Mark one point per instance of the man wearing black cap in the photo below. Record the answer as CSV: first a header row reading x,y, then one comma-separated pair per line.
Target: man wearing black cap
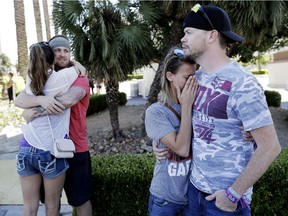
x,y
78,182
230,102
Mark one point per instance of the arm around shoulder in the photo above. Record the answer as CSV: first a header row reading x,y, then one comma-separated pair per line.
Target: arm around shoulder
x,y
49,103
72,96
26,101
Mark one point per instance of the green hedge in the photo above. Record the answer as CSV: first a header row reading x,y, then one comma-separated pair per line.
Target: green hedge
x,y
121,186
13,119
98,103
134,76
271,191
273,98
259,72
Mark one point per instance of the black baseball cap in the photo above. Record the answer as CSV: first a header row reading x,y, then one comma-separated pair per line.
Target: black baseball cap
x,y
209,17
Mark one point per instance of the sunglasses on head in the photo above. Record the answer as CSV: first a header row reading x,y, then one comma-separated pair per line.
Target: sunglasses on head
x,y
39,44
197,8
178,52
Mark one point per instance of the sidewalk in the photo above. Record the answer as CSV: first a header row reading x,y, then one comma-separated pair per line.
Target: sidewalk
x,y
10,190
16,210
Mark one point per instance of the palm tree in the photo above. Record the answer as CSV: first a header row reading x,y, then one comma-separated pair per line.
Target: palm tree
x,y
262,23
172,14
38,20
111,41
47,19
21,37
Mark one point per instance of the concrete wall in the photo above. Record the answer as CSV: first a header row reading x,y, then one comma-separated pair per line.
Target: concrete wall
x,y
139,87
148,75
277,78
278,74
130,88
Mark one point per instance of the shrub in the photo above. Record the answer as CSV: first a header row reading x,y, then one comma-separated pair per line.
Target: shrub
x,y
271,191
273,98
98,103
259,72
19,84
11,117
134,76
122,98
121,184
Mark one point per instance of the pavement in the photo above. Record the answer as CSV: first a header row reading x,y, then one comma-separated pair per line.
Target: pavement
x,y
11,201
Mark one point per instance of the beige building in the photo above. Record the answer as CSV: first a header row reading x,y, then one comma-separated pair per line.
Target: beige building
x,y
278,69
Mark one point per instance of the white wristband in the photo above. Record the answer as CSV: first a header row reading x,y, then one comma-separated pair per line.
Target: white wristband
x,y
234,193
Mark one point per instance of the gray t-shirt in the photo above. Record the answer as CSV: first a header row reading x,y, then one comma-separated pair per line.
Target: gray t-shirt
x,y
171,176
228,102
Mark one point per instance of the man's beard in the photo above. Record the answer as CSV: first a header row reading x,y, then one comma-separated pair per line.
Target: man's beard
x,y
196,54
58,67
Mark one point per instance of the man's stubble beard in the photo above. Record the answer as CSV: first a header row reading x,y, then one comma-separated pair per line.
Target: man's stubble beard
x,y
61,65
197,53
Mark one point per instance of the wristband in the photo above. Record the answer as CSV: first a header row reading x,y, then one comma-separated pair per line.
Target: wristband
x,y
232,195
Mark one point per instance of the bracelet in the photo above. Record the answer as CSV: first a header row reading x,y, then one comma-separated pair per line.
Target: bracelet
x,y
232,195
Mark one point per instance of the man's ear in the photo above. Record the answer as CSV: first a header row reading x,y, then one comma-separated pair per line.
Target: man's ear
x,y
213,35
169,76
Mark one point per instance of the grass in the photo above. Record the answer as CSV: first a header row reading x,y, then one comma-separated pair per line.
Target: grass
x,y
10,116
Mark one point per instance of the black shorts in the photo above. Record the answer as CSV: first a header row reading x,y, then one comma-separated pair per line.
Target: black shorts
x,y
10,93
78,182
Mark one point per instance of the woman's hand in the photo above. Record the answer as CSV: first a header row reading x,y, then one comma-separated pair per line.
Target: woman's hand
x,y
187,96
79,68
51,105
30,114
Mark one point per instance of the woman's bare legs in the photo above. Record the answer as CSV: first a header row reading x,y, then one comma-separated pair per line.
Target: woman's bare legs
x,y
31,193
53,189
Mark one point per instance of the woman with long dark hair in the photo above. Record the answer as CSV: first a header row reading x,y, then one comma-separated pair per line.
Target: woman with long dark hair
x,y
36,161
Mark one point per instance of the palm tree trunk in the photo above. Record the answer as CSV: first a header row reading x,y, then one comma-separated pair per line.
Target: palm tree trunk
x,y
175,37
21,37
47,19
112,97
38,20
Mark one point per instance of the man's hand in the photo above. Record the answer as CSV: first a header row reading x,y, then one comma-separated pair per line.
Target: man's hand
x,y
222,202
51,105
160,153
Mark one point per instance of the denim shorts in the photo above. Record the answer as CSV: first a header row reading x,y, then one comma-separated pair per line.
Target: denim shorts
x,y
200,206
159,207
31,161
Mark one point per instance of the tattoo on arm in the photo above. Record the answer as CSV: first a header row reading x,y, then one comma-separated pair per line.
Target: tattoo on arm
x,y
39,109
73,96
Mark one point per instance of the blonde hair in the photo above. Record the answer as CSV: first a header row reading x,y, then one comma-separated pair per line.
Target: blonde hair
x,y
172,62
40,62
